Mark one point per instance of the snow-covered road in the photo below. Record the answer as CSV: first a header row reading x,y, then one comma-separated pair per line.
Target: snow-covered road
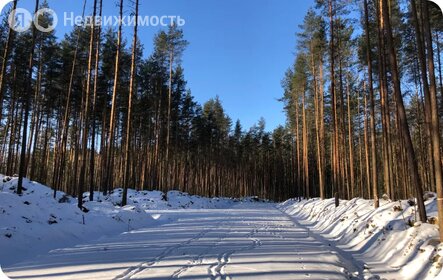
x,y
254,241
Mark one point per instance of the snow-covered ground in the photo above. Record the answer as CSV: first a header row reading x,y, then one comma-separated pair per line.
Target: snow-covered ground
x,y
387,241
248,242
35,222
175,235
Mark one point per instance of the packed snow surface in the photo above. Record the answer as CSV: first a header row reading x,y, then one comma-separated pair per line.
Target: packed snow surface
x,y
387,242
179,236
35,222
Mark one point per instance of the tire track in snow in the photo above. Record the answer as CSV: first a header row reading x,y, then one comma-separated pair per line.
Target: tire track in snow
x,y
199,259
132,271
217,270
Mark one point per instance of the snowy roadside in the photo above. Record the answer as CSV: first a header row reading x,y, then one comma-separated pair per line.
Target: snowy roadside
x,y
36,223
247,241
387,241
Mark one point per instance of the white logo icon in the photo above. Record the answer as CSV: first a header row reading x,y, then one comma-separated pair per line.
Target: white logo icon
x,y
20,20
50,13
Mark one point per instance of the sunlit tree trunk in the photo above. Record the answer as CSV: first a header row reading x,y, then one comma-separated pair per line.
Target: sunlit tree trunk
x,y
403,122
28,93
85,135
110,152
94,110
129,118
374,178
335,132
435,124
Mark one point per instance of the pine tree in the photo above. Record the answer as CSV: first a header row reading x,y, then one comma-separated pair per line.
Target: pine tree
x,y
132,88
26,101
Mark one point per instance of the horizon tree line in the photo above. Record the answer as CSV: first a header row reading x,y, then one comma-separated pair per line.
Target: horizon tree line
x,y
90,113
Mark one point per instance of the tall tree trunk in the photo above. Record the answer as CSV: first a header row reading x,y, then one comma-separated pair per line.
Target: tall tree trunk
x,y
367,161
350,140
305,149
168,122
28,93
129,118
94,109
322,130
85,134
317,106
440,74
110,153
435,125
374,178
383,97
335,141
403,122
34,129
297,136
424,81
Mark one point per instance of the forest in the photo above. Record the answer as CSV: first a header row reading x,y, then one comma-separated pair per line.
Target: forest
x,y
363,99
89,112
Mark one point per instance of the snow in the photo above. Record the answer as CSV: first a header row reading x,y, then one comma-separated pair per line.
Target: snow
x,y
176,235
387,241
248,241
35,222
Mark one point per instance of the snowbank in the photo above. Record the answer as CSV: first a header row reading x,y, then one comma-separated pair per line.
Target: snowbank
x,y
387,240
156,200
35,222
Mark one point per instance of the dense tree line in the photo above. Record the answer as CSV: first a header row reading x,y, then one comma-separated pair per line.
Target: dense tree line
x,y
90,112
364,100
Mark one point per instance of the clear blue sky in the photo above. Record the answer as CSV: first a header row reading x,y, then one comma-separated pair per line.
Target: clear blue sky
x,y
239,49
